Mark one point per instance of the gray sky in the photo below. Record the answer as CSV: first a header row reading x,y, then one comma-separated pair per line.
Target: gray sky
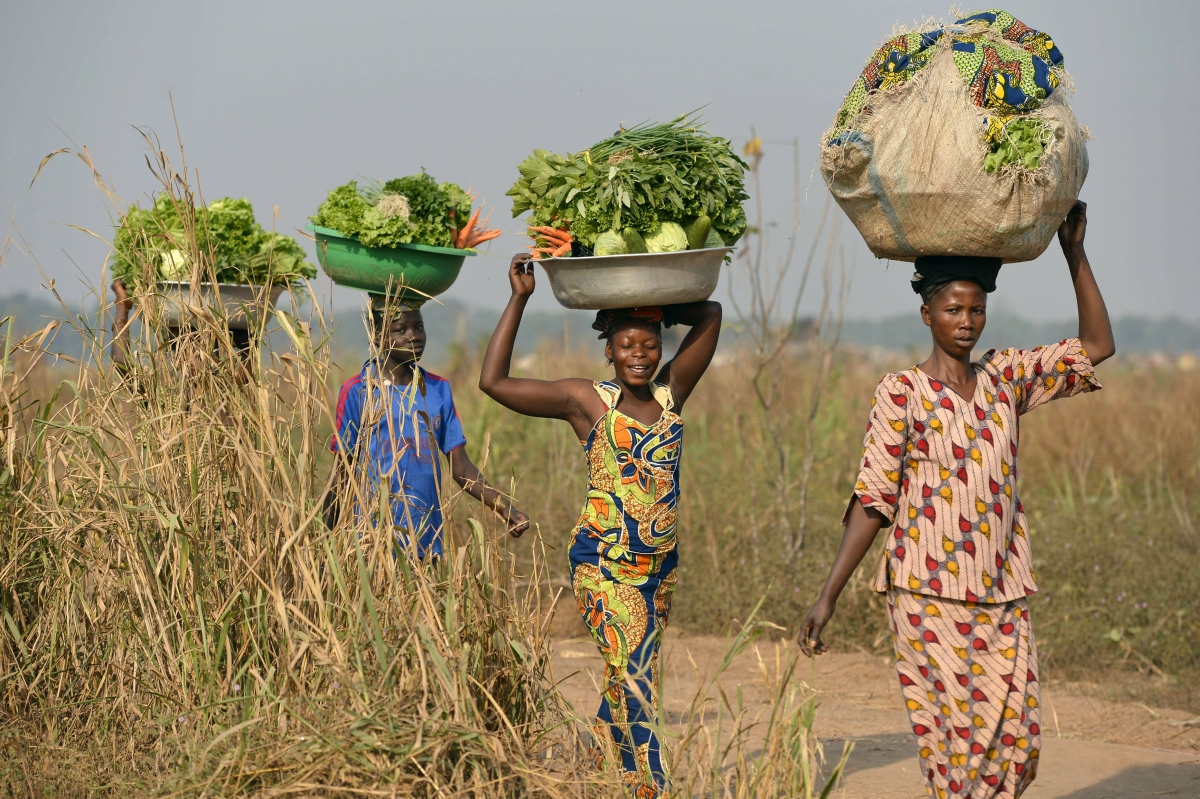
x,y
281,102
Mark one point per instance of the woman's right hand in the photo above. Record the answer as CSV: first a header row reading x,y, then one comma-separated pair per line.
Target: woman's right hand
x,y
520,275
810,629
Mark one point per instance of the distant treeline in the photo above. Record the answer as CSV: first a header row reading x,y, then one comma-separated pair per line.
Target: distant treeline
x,y
455,322
447,323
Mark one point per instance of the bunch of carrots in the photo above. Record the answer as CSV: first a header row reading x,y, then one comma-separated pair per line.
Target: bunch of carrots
x,y
469,236
550,241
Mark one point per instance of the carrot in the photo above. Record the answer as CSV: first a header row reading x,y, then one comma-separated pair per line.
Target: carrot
x,y
552,235
553,252
472,233
479,238
551,232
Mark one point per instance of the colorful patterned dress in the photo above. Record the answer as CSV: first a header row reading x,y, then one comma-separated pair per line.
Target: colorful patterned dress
x,y
957,568
623,563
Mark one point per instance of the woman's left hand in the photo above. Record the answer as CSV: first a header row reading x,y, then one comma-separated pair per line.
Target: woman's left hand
x,y
1071,231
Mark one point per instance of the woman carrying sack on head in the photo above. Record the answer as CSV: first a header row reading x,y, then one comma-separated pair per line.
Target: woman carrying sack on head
x,y
623,557
939,470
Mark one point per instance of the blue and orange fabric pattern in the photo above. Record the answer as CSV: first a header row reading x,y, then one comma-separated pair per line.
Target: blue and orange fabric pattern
x,y
1006,65
623,573
633,483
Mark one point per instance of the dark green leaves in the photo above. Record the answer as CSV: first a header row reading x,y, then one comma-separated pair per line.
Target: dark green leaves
x,y
639,178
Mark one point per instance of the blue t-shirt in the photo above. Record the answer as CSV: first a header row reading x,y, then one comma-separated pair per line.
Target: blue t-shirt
x,y
402,424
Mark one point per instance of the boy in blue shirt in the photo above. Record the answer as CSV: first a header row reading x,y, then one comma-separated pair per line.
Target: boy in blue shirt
x,y
389,420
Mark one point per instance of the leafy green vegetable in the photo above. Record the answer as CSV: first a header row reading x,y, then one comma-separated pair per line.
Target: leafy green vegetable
x,y
634,241
342,210
1022,142
713,240
414,209
668,238
639,179
610,242
240,249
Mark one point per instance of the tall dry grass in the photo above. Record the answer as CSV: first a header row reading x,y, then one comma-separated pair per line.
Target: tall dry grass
x,y
177,619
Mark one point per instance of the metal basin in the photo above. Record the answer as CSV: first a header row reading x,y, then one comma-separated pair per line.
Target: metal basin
x,y
629,281
243,305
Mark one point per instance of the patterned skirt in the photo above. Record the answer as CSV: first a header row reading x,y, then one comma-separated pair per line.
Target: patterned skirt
x,y
625,603
968,672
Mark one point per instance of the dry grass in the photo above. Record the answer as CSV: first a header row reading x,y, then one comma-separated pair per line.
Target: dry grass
x,y
177,619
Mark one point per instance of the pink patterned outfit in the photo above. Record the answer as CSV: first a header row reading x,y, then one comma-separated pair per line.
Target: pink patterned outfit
x,y
957,568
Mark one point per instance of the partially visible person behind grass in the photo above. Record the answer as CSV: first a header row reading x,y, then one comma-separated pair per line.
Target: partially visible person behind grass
x,y
390,420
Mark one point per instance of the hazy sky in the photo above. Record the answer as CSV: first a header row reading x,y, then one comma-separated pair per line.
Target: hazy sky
x,y
280,102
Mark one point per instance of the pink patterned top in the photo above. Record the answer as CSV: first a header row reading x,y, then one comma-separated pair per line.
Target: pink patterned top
x,y
943,470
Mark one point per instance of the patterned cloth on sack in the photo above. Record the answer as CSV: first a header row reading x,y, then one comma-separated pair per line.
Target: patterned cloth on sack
x,y
969,677
943,470
1005,64
623,562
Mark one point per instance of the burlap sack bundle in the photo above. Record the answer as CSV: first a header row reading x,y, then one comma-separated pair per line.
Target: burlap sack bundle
x,y
910,173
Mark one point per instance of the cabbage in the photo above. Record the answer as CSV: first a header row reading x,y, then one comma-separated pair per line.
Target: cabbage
x,y
668,238
610,242
713,240
174,266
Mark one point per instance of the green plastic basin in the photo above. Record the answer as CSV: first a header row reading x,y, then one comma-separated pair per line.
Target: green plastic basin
x,y
429,270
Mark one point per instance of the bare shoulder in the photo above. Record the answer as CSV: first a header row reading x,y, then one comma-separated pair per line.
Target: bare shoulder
x,y
583,395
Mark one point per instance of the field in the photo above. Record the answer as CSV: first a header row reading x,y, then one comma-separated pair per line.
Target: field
x,y
176,618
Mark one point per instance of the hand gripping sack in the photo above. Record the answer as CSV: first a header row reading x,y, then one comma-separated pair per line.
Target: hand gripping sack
x,y
909,155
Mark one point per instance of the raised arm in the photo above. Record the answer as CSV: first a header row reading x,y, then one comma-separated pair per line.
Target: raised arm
x,y
1095,330
684,371
554,399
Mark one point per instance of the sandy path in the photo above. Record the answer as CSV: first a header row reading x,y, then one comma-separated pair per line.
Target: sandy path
x,y
1091,747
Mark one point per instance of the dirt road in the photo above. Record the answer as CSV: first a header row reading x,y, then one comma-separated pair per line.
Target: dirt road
x,y
1091,748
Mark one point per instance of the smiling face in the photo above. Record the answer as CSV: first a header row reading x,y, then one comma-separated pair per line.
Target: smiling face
x,y
404,340
956,316
635,349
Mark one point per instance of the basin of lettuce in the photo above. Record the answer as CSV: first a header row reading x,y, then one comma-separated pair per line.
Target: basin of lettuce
x,y
410,210
242,250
